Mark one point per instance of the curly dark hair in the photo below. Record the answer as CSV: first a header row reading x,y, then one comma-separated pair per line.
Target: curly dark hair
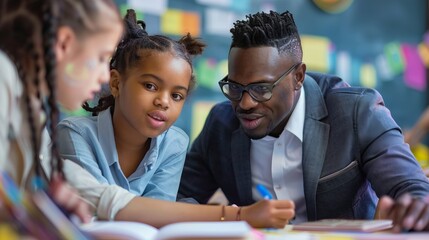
x,y
136,38
268,29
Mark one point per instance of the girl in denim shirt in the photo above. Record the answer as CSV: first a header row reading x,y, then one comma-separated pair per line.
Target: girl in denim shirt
x,y
130,140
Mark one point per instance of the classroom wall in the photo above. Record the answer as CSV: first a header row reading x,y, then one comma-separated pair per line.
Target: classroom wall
x,y
370,43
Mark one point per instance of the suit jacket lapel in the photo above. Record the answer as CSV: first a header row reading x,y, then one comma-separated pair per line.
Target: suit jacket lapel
x,y
240,156
316,137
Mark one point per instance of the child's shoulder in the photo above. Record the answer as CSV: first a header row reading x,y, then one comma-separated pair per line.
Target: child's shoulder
x,y
176,134
78,122
9,79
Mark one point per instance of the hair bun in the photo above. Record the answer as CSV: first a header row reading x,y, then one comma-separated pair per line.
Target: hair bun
x,y
134,28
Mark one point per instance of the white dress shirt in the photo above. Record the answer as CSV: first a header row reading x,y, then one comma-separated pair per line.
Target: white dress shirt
x,y
276,163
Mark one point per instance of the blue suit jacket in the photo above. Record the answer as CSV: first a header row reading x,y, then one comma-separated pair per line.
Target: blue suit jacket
x,y
351,148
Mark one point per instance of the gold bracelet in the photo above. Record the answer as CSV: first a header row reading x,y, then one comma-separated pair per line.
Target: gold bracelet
x,y
238,217
222,218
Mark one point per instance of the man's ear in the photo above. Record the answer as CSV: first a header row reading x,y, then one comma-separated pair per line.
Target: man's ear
x,y
115,79
64,43
300,75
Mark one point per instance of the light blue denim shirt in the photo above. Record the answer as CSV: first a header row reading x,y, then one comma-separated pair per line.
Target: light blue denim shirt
x,y
90,142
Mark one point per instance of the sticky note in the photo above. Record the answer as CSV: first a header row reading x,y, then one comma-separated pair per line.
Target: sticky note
x,y
316,52
415,72
191,23
200,111
171,22
394,57
368,76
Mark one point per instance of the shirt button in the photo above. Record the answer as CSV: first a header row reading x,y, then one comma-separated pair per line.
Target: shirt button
x,y
278,187
279,144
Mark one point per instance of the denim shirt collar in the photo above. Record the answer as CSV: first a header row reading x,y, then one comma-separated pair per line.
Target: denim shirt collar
x,y
107,141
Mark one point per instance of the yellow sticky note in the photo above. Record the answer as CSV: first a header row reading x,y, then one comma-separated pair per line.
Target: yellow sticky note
x,y
171,22
421,152
424,53
316,52
200,110
368,76
191,23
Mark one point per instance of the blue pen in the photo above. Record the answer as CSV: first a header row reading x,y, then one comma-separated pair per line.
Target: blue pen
x,y
264,192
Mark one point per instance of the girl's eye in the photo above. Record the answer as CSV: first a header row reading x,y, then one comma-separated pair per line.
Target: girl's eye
x,y
150,86
177,97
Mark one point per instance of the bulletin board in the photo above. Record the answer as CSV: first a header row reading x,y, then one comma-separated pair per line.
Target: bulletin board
x,y
370,43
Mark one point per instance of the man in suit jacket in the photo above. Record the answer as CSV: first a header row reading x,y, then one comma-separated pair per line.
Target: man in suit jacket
x,y
311,138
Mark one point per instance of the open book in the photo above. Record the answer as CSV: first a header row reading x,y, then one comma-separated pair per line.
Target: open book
x,y
344,225
183,230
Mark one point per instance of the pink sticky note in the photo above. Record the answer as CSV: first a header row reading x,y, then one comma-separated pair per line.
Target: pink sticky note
x,y
415,73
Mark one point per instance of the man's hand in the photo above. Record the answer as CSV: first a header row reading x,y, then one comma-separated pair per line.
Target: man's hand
x,y
407,212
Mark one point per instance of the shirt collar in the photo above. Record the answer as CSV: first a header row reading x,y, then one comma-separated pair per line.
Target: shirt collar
x,y
106,137
295,125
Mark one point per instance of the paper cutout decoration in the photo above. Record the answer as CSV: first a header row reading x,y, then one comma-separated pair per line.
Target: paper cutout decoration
x,y
200,111
424,53
220,3
394,57
171,22
222,69
368,76
384,72
316,52
415,72
219,22
123,11
343,69
191,23
333,6
206,73
178,22
421,152
157,7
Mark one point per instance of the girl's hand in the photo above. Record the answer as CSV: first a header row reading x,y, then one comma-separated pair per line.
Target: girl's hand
x,y
269,213
68,198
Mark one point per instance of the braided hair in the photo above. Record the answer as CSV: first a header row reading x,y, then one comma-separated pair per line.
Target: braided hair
x,y
268,29
128,55
28,31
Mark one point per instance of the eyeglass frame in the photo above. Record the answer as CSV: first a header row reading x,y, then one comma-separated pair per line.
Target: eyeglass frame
x,y
246,88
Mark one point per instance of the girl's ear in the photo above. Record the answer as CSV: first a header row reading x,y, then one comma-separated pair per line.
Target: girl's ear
x,y
115,78
64,44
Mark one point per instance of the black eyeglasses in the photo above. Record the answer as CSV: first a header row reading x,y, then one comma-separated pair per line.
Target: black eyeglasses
x,y
260,92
